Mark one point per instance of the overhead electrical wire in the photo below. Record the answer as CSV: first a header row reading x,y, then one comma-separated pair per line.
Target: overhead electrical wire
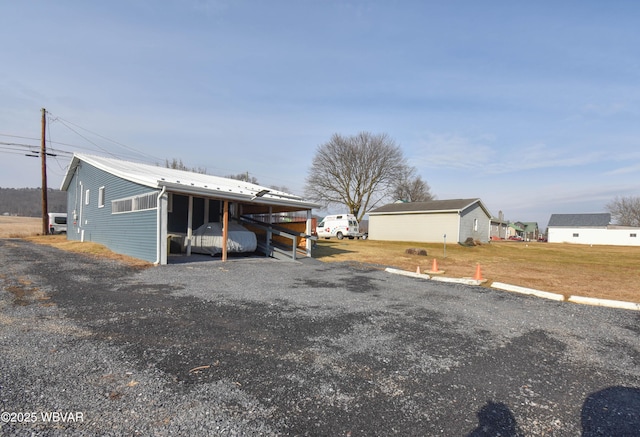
x,y
66,123
34,149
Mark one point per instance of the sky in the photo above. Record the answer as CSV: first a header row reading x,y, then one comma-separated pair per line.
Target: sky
x,y
533,107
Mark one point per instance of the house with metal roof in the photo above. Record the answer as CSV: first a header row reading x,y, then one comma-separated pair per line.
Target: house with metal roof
x,y
434,221
136,209
590,229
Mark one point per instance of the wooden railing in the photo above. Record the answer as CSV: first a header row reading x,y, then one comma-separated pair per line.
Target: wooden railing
x,y
280,249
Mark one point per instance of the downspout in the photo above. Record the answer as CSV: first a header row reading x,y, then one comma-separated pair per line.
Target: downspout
x,y
158,229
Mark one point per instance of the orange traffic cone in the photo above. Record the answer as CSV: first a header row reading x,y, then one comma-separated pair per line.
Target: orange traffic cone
x,y
418,270
478,275
434,268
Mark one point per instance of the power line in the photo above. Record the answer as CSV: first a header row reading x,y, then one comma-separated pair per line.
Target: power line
x,y
19,136
83,137
31,148
66,123
48,141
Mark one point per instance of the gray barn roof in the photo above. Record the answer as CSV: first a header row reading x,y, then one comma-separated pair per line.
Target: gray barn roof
x,y
432,206
580,220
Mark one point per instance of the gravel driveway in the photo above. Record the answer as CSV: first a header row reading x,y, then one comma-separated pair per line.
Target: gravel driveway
x,y
260,347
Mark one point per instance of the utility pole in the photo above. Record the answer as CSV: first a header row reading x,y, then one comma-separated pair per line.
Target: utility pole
x,y
43,160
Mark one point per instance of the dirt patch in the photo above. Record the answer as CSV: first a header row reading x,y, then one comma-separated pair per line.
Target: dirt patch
x,y
24,294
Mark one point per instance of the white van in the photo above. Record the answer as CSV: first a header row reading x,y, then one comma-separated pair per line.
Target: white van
x,y
338,226
57,222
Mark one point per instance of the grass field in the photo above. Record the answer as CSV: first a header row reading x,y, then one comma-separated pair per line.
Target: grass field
x,y
608,272
18,227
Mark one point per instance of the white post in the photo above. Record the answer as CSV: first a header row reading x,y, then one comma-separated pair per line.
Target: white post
x,y
189,225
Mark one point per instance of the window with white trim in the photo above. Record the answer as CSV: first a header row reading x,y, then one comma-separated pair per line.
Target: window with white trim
x,y
140,202
86,197
475,225
101,197
633,235
576,235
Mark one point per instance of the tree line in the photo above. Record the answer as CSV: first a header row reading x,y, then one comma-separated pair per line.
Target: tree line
x,y
27,202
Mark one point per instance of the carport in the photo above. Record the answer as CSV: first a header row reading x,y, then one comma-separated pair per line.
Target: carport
x,y
147,211
282,225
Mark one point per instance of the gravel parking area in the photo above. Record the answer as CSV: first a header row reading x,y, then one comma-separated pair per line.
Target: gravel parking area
x,y
260,347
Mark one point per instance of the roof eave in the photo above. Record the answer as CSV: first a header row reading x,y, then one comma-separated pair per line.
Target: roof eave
x,y
66,181
245,198
423,211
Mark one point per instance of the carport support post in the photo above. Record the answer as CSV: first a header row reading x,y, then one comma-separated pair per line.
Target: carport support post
x,y
308,241
225,229
269,233
189,225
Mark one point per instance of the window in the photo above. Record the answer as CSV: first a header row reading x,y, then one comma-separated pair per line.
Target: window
x,y
576,235
86,197
475,225
101,197
632,235
135,203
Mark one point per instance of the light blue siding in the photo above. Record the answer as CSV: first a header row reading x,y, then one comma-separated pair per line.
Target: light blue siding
x,y
468,226
130,233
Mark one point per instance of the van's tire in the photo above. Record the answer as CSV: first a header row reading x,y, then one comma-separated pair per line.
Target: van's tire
x,y
365,236
339,235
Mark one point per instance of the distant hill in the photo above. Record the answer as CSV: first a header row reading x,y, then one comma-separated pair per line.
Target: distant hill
x,y
27,202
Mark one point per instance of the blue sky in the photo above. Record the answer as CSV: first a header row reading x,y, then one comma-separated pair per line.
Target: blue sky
x,y
531,106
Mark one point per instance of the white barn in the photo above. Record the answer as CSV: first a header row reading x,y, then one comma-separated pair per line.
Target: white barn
x,y
590,229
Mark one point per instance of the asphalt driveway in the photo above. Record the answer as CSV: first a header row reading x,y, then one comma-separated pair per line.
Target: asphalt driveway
x,y
260,347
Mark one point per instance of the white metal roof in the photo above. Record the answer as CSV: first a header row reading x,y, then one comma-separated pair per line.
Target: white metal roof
x,y
186,182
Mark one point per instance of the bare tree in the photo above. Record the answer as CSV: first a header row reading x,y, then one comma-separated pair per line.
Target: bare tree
x,y
243,177
282,188
356,171
625,210
412,188
177,164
